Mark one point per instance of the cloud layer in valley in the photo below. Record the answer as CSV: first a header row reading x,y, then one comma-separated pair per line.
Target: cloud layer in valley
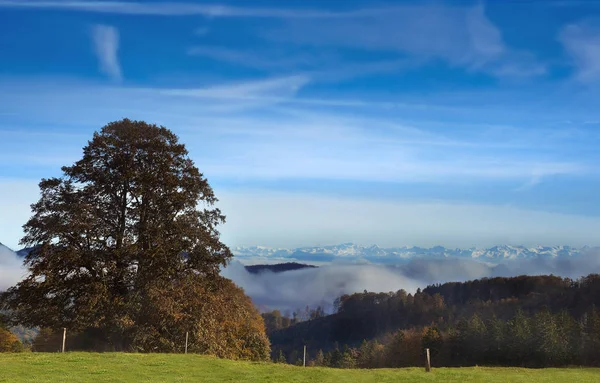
x,y
293,290
11,268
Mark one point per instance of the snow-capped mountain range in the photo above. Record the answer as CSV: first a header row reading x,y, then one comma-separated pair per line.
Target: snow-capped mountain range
x,y
376,254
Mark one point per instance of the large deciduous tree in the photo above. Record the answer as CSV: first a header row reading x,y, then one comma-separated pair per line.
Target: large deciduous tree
x,y
134,213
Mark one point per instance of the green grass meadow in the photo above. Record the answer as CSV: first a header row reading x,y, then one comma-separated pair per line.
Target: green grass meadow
x,y
126,368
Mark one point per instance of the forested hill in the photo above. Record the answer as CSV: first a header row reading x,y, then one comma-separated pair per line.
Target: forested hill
x,y
551,310
277,268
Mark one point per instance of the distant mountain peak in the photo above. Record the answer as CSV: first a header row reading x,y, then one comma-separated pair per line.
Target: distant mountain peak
x,y
374,253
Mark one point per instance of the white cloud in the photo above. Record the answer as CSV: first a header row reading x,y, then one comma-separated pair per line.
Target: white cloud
x,y
485,39
462,36
98,104
11,268
297,289
322,67
106,47
263,129
582,42
269,89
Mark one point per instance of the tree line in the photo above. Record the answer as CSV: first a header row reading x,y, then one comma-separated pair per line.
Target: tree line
x,y
532,321
541,340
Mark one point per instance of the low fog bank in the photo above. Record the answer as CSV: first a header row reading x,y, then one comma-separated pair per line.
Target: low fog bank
x,y
11,268
296,289
320,286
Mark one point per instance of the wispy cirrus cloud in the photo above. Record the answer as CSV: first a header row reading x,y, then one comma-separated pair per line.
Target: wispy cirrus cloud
x,y
176,9
322,67
270,131
582,42
264,129
274,89
462,36
106,47
260,60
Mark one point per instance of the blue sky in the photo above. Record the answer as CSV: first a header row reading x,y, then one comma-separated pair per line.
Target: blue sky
x,y
397,123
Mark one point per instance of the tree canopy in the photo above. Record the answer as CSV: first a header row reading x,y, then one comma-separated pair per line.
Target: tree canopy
x,y
132,214
532,321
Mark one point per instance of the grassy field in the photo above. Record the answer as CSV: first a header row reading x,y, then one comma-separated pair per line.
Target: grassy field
x,y
86,367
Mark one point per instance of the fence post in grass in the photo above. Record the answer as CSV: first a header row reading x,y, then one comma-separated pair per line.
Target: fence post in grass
x,y
304,358
186,340
64,339
428,366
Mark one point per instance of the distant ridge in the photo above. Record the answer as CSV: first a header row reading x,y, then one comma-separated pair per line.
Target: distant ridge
x,y
24,252
5,247
278,268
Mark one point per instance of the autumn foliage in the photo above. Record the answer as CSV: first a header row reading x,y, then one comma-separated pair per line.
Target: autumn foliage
x,y
126,253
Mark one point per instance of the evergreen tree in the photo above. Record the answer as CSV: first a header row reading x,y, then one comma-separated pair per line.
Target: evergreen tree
x,y
591,337
365,355
319,360
432,339
348,359
335,358
476,336
549,350
520,344
569,339
395,350
458,341
281,357
496,346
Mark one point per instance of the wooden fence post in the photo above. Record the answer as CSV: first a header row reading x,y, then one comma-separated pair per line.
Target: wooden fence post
x,y
428,366
64,339
304,358
186,340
